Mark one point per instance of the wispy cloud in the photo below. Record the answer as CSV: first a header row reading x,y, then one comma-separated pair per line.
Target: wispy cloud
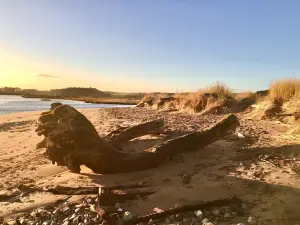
x,y
47,76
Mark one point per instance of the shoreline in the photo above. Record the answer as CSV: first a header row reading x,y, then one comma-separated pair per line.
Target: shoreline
x,y
91,100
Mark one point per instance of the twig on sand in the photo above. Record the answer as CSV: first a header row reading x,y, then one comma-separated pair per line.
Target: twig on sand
x,y
266,161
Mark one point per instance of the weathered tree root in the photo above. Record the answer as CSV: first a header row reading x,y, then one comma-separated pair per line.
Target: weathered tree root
x,y
124,135
71,140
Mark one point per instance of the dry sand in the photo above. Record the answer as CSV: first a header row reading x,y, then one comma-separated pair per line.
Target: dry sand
x,y
231,166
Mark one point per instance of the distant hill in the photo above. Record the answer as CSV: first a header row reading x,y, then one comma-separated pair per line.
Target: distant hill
x,y
78,92
64,92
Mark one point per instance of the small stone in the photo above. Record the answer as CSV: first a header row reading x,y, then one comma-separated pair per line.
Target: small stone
x,y
227,215
66,209
251,220
72,217
117,205
205,220
129,216
46,222
76,210
240,224
209,223
151,221
66,223
199,213
89,200
216,212
22,221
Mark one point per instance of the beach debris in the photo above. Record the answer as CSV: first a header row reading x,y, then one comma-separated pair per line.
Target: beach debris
x,y
187,208
72,141
88,211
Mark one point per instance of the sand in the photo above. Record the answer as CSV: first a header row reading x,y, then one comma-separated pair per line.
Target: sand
x,y
230,166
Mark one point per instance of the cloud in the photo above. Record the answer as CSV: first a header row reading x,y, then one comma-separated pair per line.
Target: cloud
x,y
47,76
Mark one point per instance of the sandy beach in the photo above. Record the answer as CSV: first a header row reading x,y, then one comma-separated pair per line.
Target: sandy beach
x,y
229,167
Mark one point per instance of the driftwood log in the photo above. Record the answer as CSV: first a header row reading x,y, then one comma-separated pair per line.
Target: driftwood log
x,y
71,140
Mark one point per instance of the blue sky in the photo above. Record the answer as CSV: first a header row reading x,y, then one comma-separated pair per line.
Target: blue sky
x,y
149,45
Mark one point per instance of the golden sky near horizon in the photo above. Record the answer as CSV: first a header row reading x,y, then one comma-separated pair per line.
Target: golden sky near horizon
x,y
19,71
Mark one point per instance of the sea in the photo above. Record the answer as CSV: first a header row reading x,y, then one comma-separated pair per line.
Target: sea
x,y
16,103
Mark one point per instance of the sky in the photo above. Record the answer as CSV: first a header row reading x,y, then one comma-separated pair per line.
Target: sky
x,y
148,45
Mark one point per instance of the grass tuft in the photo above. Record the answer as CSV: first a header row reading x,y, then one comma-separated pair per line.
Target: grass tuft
x,y
285,89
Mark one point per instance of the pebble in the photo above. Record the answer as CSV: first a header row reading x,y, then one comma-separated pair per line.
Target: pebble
x,y
216,212
251,220
227,215
76,210
129,216
199,213
151,221
205,220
